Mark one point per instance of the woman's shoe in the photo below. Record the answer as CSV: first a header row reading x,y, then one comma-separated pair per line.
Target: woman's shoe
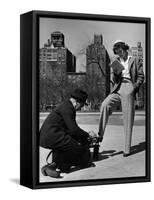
x,y
126,154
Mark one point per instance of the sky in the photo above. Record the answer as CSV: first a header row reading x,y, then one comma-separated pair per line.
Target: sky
x,y
80,33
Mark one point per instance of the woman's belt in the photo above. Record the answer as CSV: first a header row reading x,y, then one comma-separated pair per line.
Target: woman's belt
x,y
125,80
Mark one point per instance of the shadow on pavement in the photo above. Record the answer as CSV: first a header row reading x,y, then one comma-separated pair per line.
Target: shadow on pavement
x,y
134,150
138,148
106,154
77,168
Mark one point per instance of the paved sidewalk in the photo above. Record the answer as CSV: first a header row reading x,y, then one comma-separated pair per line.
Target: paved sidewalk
x,y
111,162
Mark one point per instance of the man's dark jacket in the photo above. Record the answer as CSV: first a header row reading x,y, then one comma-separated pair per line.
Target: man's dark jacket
x,y
60,126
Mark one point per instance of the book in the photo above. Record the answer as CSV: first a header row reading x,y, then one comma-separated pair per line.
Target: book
x,y
117,67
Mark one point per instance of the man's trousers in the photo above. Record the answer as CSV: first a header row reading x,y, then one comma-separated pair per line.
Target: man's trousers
x,y
72,154
125,96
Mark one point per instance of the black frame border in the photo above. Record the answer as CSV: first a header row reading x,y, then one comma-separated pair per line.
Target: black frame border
x,y
29,44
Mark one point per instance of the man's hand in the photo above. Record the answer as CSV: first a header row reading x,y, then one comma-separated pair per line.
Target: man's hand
x,y
92,134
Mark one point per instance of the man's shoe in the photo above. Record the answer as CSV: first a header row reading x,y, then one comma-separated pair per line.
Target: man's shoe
x,y
50,170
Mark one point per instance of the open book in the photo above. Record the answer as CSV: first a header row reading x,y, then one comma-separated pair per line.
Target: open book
x,y
117,67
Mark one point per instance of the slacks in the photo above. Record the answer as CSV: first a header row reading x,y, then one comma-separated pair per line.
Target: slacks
x,y
125,95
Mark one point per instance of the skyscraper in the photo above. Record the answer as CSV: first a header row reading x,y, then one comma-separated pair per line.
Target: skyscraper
x,y
98,65
55,59
138,53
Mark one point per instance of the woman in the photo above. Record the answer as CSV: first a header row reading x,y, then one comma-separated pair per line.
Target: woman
x,y
126,81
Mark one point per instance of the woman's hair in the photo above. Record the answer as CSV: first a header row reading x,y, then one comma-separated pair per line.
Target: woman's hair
x,y
119,45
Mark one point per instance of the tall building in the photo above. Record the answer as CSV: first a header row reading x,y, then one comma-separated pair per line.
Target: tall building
x,y
137,52
140,96
57,39
55,59
98,65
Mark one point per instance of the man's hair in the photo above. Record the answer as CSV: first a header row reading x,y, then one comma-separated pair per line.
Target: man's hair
x,y
119,45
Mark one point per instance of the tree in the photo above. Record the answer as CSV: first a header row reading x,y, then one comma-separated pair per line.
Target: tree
x,y
93,85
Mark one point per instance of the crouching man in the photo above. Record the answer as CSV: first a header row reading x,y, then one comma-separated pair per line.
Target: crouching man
x,y
67,140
